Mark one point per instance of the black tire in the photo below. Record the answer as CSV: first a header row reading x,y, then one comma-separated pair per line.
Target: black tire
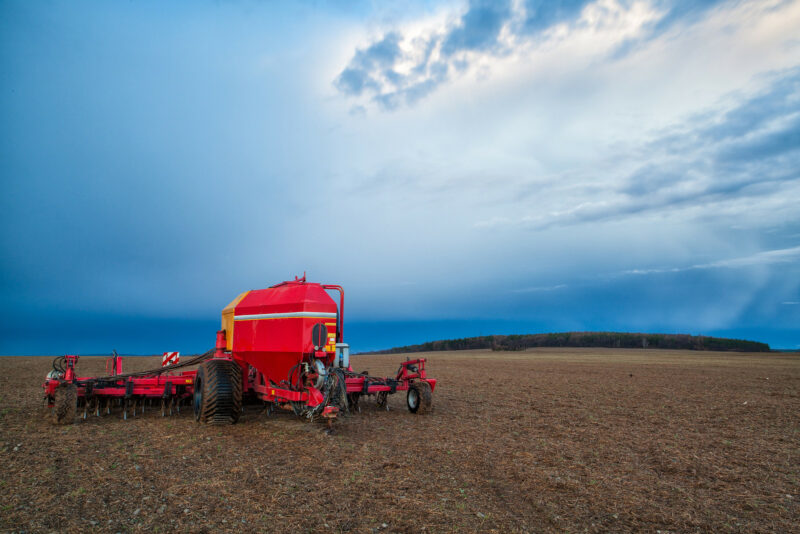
x,y
217,398
65,404
419,398
197,395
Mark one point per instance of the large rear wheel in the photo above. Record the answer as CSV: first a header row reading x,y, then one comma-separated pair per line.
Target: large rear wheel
x,y
217,398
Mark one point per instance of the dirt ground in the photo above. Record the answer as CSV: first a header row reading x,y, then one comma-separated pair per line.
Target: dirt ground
x,y
547,440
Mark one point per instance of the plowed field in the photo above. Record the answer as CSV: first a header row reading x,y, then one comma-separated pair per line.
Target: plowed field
x,y
547,440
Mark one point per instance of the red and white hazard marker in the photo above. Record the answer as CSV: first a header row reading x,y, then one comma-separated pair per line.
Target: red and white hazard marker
x,y
170,358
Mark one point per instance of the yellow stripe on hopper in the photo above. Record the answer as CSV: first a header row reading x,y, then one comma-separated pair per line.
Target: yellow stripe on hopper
x,y
227,319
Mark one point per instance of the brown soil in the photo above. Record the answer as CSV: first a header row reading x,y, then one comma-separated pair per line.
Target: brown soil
x,y
548,440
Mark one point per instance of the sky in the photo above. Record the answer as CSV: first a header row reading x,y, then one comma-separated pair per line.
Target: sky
x,y
461,168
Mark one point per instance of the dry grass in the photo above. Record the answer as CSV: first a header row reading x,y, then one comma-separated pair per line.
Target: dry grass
x,y
544,440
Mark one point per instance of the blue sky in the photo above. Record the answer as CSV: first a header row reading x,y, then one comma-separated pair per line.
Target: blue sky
x,y
461,168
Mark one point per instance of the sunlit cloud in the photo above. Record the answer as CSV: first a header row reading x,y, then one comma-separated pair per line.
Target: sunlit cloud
x,y
405,65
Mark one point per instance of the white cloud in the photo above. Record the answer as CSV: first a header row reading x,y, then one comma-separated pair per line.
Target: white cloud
x,y
538,289
767,257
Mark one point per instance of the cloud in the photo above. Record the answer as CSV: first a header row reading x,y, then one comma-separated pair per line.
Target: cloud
x,y
760,110
538,289
479,28
542,14
767,257
369,65
782,140
402,67
677,10
672,13
748,150
377,71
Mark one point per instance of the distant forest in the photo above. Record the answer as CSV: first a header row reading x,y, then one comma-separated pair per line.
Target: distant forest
x,y
585,339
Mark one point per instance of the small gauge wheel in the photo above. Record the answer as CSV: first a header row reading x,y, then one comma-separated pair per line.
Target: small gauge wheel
x,y
419,398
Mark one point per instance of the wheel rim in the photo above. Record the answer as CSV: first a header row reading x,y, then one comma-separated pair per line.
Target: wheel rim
x,y
413,399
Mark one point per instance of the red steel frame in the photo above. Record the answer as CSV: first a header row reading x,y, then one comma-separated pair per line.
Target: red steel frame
x,y
171,389
180,385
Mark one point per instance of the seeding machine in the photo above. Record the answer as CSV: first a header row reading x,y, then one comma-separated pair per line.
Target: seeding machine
x,y
281,347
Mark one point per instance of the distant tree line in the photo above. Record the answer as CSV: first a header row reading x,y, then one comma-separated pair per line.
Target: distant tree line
x,y
617,340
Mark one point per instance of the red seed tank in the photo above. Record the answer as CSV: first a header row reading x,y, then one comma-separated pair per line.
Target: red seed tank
x,y
271,329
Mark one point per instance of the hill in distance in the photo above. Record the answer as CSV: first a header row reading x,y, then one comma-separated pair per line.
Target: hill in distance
x,y
617,340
